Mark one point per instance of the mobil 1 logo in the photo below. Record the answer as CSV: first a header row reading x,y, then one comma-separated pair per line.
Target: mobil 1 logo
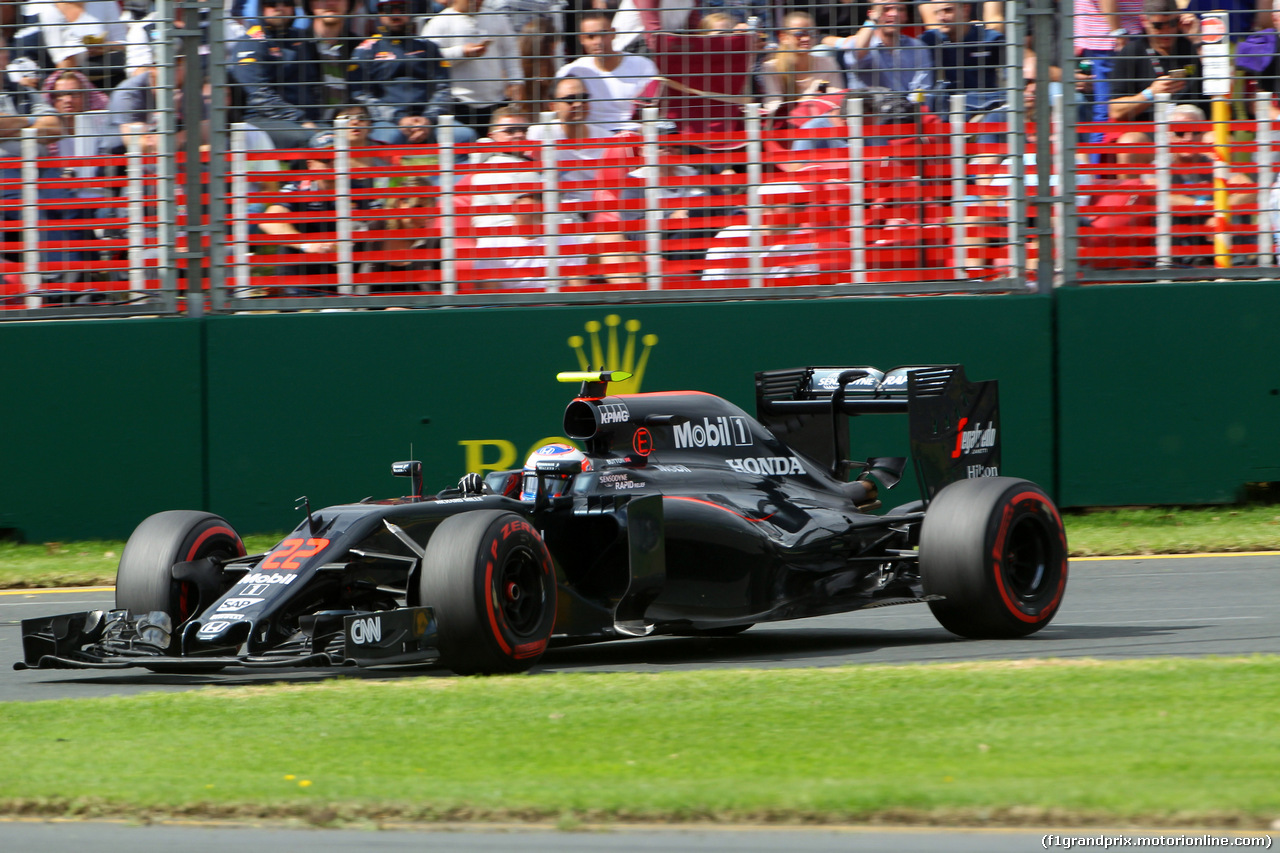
x,y
720,432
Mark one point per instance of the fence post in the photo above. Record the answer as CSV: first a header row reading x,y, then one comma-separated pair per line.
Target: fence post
x,y
857,187
652,202
448,206
1266,198
959,207
342,203
32,280
1164,184
551,214
135,192
755,225
1017,223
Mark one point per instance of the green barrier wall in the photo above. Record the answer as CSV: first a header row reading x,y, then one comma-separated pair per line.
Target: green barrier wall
x,y
1169,394
321,404
102,425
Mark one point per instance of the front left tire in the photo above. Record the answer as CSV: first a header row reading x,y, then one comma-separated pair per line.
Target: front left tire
x,y
491,583
144,579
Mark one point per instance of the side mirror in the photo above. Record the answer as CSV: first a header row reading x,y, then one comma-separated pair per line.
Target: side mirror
x,y
411,469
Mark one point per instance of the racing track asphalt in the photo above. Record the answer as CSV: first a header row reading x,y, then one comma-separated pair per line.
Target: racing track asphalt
x,y
1115,608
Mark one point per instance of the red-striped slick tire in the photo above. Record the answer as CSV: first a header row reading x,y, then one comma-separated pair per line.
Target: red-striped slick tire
x,y
490,580
995,549
144,580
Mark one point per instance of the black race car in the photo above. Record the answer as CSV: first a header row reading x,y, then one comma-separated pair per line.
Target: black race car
x,y
682,514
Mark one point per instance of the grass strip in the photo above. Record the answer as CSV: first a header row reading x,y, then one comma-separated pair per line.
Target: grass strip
x,y
1152,530
1188,741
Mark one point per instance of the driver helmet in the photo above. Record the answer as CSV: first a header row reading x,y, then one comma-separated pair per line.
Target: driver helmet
x,y
556,464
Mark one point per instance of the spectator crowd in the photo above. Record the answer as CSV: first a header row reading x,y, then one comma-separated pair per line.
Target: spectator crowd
x,y
515,76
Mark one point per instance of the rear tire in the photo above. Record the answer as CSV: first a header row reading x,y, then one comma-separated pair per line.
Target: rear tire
x,y
144,580
995,548
490,580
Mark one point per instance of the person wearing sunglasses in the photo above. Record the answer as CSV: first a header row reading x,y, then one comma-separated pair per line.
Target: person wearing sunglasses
x,y
509,129
795,70
1163,60
569,104
614,80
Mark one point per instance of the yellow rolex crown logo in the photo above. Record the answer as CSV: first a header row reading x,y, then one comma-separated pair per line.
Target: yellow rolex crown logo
x,y
611,354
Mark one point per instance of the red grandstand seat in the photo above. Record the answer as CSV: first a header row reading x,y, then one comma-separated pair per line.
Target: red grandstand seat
x,y
707,82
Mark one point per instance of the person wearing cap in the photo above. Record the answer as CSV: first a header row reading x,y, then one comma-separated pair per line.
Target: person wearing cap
x,y
403,80
614,81
782,225
1164,60
483,52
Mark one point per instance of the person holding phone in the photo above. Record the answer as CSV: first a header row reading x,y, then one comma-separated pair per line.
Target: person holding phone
x,y
1164,60
483,53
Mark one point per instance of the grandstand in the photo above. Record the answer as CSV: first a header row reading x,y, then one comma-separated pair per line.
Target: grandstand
x,y
184,158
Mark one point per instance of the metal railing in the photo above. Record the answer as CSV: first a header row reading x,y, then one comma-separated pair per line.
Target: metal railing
x,y
829,199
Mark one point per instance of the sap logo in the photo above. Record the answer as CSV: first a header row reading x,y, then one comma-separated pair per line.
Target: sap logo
x,y
976,440
614,413
722,432
269,577
767,465
234,604
973,472
366,630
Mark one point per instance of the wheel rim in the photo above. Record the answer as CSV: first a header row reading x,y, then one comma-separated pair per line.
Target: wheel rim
x,y
1027,560
519,593
188,594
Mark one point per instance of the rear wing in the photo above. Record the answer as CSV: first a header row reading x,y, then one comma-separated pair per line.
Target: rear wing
x,y
954,424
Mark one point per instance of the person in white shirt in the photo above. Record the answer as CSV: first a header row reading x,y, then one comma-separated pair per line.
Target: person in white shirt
x,y
570,107
70,32
484,60
614,80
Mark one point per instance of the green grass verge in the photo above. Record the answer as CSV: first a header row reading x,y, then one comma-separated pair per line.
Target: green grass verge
x,y
1168,741
1158,530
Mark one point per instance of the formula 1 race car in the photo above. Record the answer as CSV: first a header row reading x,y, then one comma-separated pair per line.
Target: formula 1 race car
x,y
679,514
